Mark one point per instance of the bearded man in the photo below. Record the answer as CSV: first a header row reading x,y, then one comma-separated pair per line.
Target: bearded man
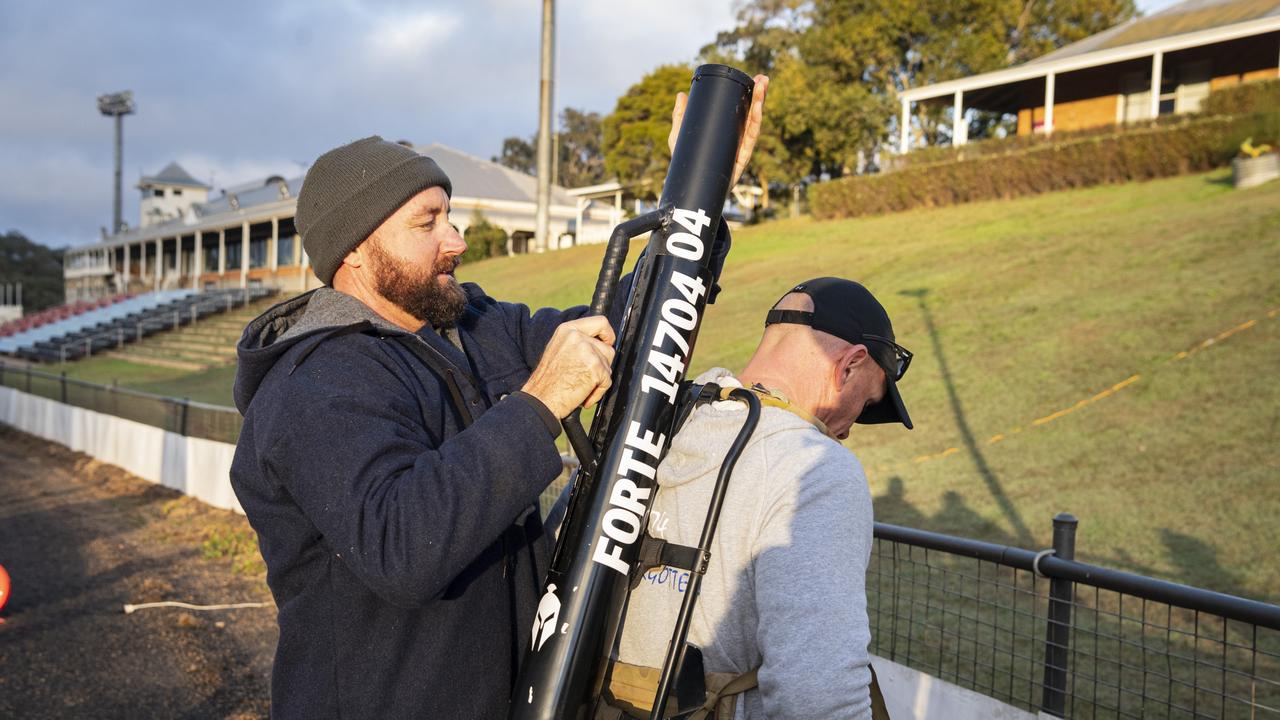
x,y
399,428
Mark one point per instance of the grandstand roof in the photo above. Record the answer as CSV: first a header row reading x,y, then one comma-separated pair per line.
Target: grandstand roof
x,y
472,178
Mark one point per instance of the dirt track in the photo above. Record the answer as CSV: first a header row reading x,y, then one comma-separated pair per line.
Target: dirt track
x,y
80,539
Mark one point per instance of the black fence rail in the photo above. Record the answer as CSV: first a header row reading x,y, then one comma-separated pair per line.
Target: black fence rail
x,y
178,415
1036,630
1042,632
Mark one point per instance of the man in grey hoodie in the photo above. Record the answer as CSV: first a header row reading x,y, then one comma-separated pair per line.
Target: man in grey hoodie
x,y
784,594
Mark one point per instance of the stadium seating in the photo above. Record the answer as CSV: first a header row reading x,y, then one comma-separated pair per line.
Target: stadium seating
x,y
54,314
115,324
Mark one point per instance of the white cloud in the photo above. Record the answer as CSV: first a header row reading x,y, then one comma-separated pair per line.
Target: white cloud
x,y
409,36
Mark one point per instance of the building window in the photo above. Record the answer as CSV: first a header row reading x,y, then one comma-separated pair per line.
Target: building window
x,y
211,258
158,192
284,251
257,252
233,254
177,192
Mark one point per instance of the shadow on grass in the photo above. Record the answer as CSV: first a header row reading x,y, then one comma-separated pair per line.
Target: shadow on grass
x,y
953,518
1022,535
1197,563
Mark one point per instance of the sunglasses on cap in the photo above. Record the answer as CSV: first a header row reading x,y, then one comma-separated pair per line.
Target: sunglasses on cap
x,y
901,356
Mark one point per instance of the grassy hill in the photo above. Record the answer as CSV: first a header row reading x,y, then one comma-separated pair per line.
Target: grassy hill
x,y
1061,364
1020,313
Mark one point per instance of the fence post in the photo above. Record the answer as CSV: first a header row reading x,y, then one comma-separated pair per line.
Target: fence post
x,y
1057,638
64,387
182,422
28,379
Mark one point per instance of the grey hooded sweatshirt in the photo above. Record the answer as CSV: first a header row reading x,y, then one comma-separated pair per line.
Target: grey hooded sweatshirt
x,y
785,590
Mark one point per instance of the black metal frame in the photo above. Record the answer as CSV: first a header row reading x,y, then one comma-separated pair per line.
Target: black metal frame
x,y
178,415
1044,632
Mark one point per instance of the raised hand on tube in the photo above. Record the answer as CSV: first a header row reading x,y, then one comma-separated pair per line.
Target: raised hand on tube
x,y
575,367
749,134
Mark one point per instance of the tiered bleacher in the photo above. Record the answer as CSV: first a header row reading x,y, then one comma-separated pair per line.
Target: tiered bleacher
x,y
73,331
54,314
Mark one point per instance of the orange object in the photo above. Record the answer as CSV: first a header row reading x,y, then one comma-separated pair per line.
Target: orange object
x,y
4,587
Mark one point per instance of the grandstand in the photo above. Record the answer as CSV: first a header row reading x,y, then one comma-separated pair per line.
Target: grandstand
x,y
207,344
54,314
80,329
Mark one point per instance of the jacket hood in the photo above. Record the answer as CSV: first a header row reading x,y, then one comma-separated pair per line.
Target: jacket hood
x,y
307,317
694,455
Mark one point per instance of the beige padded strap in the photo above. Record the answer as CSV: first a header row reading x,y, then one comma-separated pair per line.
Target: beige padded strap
x,y
772,400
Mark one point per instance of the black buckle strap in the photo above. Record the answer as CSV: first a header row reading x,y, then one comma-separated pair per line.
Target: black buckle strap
x,y
655,552
691,396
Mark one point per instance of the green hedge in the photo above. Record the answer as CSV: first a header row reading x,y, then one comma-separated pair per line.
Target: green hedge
x,y
1193,145
1250,97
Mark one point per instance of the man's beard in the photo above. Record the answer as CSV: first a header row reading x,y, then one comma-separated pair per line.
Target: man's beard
x,y
420,293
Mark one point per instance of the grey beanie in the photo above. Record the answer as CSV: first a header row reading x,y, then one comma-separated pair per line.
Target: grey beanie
x,y
350,190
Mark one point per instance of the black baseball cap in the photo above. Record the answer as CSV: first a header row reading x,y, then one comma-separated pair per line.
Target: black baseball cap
x,y
849,311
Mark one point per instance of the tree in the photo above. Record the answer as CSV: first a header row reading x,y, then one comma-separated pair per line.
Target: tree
x,y
37,267
766,30
857,55
518,154
635,134
581,136
484,239
579,160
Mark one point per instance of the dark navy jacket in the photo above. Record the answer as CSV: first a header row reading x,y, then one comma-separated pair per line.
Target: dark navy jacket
x,y
405,555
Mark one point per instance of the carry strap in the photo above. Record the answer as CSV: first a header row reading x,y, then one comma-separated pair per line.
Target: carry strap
x,y
736,686
441,366
748,680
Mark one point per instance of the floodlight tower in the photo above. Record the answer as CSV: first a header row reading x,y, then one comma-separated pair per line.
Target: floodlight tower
x,y
117,105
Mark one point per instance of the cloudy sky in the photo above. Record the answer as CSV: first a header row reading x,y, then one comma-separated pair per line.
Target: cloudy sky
x,y
238,90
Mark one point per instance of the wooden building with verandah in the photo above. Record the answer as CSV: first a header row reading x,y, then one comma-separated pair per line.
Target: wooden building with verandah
x,y
245,236
1161,64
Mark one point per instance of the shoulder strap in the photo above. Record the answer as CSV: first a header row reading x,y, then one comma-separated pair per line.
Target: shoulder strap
x,y
441,366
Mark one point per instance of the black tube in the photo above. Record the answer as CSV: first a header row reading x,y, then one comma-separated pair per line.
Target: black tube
x,y
675,651
580,611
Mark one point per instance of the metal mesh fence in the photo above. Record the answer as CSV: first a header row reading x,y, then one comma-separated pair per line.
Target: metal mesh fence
x,y
176,415
984,625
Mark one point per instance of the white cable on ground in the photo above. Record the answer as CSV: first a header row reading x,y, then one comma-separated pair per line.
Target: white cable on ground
x,y
174,603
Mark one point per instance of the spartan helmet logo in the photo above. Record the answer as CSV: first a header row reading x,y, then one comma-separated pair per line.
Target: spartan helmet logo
x,y
544,623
